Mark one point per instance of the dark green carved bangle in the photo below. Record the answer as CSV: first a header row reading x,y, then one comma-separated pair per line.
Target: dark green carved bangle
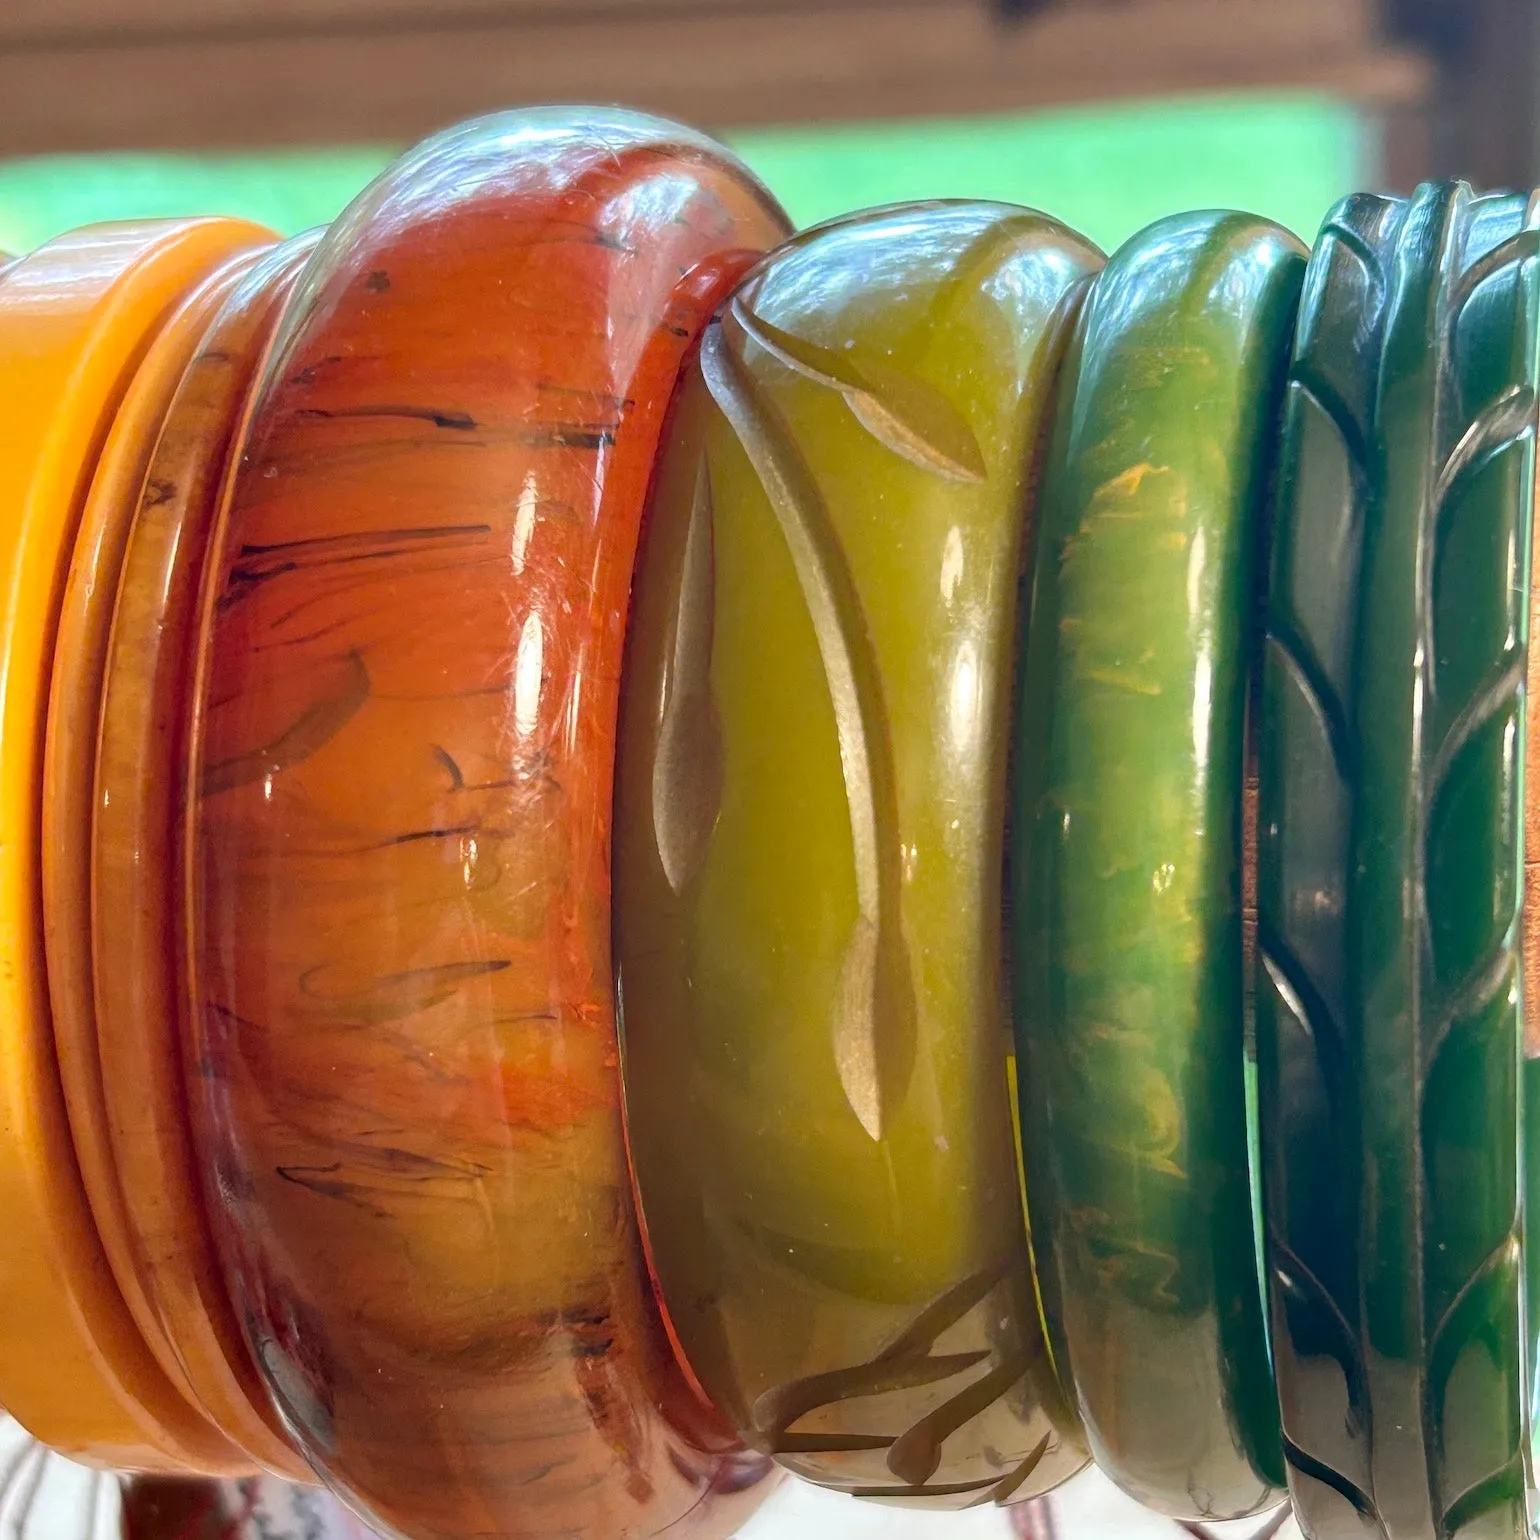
x,y
1390,820
1128,973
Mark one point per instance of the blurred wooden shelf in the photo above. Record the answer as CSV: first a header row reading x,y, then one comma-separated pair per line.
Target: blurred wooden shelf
x,y
94,74
65,21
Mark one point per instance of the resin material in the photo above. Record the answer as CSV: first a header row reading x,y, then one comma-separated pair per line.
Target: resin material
x,y
810,817
76,319
93,1068
404,1064
133,847
1390,858
1126,861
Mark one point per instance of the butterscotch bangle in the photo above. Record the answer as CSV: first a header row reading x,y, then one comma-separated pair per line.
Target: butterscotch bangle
x,y
76,318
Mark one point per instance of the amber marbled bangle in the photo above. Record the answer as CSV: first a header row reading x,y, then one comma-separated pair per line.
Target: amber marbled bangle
x,y
810,814
107,1071
135,855
406,1095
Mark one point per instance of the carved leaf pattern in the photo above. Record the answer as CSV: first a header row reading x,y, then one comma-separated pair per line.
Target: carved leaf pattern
x,y
1392,704
687,773
911,418
907,1361
874,1022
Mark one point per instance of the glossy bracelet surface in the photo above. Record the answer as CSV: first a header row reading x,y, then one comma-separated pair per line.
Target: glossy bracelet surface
x,y
413,618
1126,861
76,319
104,1087
1389,869
136,853
954,611
813,768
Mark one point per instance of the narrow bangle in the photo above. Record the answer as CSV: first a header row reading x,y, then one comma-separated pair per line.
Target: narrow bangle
x,y
76,317
138,763
1126,860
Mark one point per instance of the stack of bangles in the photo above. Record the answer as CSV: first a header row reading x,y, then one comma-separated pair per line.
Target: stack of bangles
x,y
637,850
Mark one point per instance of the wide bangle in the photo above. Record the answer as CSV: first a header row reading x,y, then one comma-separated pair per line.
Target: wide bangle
x,y
1129,976
810,812
401,756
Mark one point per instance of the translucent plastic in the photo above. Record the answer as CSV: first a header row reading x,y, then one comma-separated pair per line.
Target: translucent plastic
x,y
406,1071
133,846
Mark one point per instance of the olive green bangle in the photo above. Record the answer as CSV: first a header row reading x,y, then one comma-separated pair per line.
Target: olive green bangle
x,y
810,813
1391,813
1129,980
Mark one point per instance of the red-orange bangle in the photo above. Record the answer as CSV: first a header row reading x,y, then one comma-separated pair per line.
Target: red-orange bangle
x,y
407,1094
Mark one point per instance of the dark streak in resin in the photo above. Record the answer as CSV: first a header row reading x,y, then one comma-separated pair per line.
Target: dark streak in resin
x,y
256,565
307,375
365,537
540,435
396,996
315,726
446,759
416,836
314,1179
458,422
306,638
409,1165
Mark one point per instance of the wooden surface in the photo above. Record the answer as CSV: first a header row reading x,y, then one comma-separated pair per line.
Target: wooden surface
x,y
90,74
1484,114
76,20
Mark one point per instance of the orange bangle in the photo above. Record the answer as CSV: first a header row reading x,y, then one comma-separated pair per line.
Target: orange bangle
x,y
403,744
76,319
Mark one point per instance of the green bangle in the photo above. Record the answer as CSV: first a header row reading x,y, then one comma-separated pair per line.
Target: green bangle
x,y
1126,854
1391,809
810,809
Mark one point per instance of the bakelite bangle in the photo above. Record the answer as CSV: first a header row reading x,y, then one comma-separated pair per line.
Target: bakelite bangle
x,y
1129,974
406,1092
139,782
810,811
1392,751
957,600
76,319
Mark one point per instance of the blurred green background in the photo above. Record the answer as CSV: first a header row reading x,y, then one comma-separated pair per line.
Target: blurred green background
x,y
1106,170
